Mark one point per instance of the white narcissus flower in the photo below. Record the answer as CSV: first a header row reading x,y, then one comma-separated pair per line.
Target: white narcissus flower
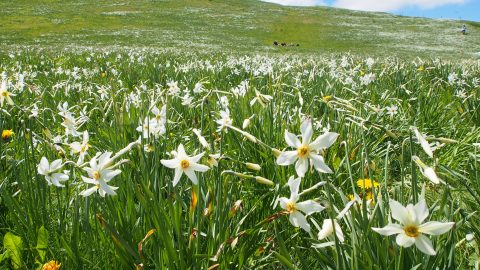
x,y
306,149
160,115
182,163
327,230
51,171
225,121
423,142
4,94
298,210
213,160
411,229
100,173
145,127
81,148
260,98
392,110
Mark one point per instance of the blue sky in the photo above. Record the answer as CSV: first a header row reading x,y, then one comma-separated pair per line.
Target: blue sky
x,y
450,9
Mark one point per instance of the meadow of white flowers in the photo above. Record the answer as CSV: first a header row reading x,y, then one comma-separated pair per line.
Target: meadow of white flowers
x,y
144,159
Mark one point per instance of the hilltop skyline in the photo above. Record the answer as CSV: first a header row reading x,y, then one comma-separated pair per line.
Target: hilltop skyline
x,y
437,9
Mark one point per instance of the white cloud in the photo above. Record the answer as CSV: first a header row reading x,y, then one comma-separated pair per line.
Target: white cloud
x,y
393,5
296,2
371,5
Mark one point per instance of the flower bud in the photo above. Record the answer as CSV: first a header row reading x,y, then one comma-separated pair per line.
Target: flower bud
x,y
253,166
263,181
246,123
469,237
250,137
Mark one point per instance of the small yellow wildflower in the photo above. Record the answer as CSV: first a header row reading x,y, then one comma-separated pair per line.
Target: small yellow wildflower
x,y
366,183
7,135
369,196
52,265
327,98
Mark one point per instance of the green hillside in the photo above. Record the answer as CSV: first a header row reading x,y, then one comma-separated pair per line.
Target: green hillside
x,y
232,25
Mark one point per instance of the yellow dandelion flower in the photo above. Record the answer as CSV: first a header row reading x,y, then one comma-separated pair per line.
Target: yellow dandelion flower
x,y
52,265
367,183
7,135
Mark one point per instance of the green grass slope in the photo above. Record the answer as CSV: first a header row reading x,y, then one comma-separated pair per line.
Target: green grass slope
x,y
232,25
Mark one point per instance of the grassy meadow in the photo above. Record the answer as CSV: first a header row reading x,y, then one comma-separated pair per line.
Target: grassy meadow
x,y
167,135
142,105
231,26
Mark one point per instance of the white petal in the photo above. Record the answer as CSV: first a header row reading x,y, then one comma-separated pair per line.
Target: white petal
x,y
155,110
404,241
309,207
89,191
425,245
301,166
339,232
60,176
319,164
191,174
430,174
181,151
108,174
298,220
93,162
421,211
324,141
56,164
85,137
294,184
307,131
426,147
435,227
108,189
104,160
199,167
43,166
56,181
197,157
327,229
81,158
399,212
89,180
287,158
178,175
76,147
291,139
389,229
283,202
170,163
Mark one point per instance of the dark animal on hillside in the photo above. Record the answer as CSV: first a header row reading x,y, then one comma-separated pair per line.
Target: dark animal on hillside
x,y
275,43
284,44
